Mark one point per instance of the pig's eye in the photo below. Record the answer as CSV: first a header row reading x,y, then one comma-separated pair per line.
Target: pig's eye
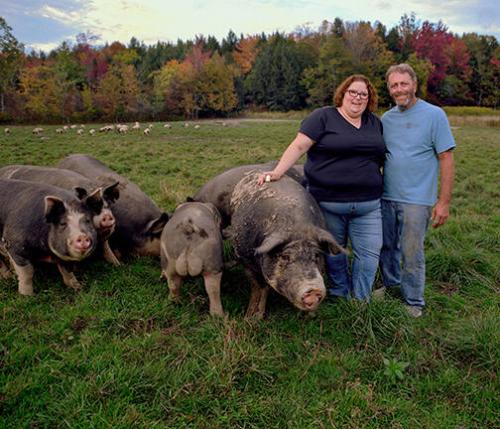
x,y
63,224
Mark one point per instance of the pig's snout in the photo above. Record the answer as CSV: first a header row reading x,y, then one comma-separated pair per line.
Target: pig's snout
x,y
82,243
312,298
107,221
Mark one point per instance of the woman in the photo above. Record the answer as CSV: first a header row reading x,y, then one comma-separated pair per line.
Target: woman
x,y
345,152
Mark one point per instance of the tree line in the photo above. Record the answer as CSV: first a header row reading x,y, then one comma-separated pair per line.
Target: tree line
x,y
203,77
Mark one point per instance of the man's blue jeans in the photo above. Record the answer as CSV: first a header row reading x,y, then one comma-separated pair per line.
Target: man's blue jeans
x,y
361,223
402,259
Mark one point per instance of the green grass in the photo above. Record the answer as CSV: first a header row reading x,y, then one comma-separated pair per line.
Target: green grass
x,y
120,355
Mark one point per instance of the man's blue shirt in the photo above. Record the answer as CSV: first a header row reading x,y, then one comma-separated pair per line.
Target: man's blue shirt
x,y
414,138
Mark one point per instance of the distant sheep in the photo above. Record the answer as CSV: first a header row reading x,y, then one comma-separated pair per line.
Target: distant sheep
x,y
186,125
92,132
136,126
167,126
73,127
122,129
37,130
196,127
59,130
6,131
147,131
79,132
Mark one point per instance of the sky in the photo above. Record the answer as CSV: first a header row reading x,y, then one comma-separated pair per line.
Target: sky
x,y
45,24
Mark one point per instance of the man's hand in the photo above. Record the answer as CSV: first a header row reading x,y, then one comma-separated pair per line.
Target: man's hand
x,y
440,214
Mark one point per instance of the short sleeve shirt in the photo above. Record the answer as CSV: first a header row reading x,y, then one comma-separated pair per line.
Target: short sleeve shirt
x,y
414,139
344,163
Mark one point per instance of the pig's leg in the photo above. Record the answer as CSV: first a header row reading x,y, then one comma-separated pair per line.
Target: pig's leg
x,y
25,277
109,256
5,272
174,285
69,278
212,286
258,298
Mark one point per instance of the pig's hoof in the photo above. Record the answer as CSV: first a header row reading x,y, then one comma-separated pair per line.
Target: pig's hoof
x,y
75,285
6,274
254,315
174,298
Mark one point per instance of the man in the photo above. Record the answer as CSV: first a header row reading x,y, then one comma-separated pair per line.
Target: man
x,y
419,143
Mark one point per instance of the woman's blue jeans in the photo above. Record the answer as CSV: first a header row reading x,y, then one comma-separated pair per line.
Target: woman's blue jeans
x,y
361,224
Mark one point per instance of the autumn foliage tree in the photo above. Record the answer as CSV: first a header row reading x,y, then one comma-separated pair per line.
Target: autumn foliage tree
x,y
201,77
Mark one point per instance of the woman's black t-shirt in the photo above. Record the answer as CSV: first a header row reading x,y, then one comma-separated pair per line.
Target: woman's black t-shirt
x,y
344,163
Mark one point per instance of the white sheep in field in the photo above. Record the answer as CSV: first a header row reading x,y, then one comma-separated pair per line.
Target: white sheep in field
x,y
147,131
59,130
65,128
92,132
224,124
150,126
73,127
79,132
107,128
6,131
196,127
37,130
136,126
167,126
186,125
122,129
82,125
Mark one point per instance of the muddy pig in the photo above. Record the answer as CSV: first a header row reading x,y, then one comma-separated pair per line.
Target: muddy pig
x,y
191,244
139,221
219,189
279,235
44,223
104,220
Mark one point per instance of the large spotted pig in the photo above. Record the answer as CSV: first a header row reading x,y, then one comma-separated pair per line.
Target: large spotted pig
x,y
191,244
139,221
103,219
279,235
44,223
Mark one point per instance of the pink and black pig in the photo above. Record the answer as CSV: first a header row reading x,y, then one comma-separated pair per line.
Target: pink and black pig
x,y
103,219
139,221
45,223
191,244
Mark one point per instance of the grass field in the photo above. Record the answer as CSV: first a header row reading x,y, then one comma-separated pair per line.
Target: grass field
x,y
120,355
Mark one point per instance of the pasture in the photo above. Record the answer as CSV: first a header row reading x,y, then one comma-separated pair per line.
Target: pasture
x,y
120,355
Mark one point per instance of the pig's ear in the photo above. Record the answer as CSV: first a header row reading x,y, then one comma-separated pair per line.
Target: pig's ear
x,y
190,200
54,209
111,193
94,201
80,192
155,227
270,243
328,243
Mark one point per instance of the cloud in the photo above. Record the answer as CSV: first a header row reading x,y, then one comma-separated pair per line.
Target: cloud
x,y
42,22
59,15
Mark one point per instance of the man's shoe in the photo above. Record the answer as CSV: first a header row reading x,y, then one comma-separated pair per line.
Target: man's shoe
x,y
413,310
379,294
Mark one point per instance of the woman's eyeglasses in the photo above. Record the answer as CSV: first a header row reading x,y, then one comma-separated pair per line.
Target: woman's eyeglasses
x,y
353,93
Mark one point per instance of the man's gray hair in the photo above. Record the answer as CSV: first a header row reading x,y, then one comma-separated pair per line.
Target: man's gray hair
x,y
401,68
